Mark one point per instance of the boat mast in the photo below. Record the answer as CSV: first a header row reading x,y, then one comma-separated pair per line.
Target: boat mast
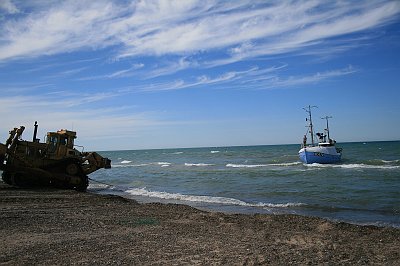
x,y
308,110
327,124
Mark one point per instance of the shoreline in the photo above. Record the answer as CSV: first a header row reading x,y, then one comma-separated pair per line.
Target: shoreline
x,y
239,209
50,226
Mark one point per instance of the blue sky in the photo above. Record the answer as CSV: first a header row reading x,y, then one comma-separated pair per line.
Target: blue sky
x,y
164,74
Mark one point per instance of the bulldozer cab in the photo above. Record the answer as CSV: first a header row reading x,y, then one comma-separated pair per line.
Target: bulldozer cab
x,y
61,143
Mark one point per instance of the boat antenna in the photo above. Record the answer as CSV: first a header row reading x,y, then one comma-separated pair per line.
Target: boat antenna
x,y
327,124
308,110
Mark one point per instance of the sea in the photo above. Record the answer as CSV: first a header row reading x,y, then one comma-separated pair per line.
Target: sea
x,y
363,189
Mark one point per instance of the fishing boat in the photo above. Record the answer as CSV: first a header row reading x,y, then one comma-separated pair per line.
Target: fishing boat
x,y
325,151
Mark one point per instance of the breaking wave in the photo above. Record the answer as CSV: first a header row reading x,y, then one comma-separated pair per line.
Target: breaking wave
x,y
207,199
390,162
129,165
353,166
198,164
285,164
164,164
245,165
260,165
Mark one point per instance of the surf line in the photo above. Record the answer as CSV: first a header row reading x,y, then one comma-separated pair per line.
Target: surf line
x,y
114,187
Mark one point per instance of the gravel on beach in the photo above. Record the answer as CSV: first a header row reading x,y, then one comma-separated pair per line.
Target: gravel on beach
x,y
53,227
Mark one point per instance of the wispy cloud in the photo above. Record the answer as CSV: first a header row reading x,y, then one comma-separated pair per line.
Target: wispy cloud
x,y
9,7
54,113
292,81
22,88
245,30
123,73
68,26
171,67
77,61
53,101
251,79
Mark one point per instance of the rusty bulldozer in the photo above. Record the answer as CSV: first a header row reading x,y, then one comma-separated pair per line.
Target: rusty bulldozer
x,y
55,163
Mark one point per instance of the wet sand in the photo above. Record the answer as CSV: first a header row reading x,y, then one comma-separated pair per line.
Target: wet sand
x,y
53,227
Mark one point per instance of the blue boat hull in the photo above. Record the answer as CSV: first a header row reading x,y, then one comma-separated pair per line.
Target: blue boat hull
x,y
310,157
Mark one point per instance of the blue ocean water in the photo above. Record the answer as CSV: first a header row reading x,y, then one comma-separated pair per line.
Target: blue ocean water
x,y
363,189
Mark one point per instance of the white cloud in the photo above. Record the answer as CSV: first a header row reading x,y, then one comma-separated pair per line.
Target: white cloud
x,y
8,6
276,82
128,72
92,124
171,67
245,29
251,79
70,26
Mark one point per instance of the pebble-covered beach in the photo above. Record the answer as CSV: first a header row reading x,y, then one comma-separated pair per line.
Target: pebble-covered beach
x,y
59,227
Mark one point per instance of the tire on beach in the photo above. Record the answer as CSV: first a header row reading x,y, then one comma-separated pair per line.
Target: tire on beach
x,y
21,180
82,186
73,169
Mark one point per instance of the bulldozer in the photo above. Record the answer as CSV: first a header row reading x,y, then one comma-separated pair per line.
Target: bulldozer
x,y
55,163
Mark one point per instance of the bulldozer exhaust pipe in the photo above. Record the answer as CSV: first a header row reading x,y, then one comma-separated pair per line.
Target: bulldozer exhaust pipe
x,y
35,132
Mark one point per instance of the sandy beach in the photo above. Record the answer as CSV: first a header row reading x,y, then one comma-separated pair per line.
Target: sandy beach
x,y
53,227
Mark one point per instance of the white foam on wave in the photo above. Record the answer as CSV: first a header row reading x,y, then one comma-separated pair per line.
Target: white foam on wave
x,y
98,186
245,165
214,151
285,164
178,152
353,166
163,163
207,199
198,164
129,165
261,165
388,162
